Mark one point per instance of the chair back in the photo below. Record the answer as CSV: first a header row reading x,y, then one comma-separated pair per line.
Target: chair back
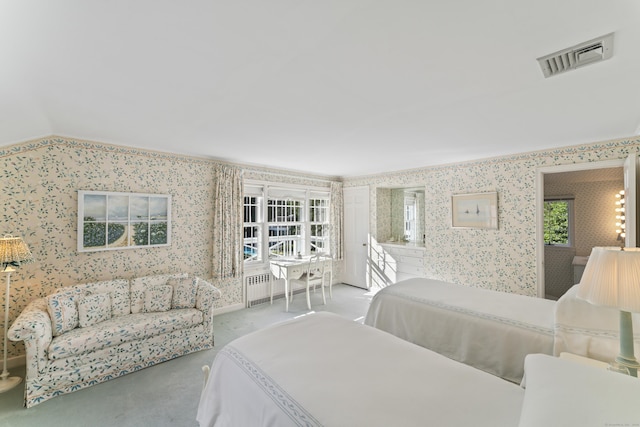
x,y
316,267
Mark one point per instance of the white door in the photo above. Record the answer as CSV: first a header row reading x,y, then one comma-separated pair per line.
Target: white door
x,y
631,200
356,236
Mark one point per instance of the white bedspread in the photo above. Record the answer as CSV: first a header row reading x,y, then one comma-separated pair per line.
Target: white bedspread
x,y
489,330
325,370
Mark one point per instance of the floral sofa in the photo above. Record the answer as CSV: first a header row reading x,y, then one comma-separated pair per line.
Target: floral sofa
x,y
83,335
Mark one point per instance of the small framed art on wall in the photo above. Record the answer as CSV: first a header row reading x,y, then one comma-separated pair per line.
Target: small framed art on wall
x,y
476,210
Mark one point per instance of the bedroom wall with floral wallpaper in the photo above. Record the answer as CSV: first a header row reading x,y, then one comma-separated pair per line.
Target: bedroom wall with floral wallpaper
x,y
40,182
502,259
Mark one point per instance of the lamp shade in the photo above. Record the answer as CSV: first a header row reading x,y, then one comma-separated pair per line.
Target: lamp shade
x,y
13,251
611,278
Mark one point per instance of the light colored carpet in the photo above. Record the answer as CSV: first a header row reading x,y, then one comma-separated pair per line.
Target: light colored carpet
x,y
166,394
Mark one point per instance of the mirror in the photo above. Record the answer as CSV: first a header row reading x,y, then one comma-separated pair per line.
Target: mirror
x,y
400,215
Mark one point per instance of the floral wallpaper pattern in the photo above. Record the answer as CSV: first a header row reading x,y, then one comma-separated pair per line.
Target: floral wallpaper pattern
x,y
40,181
502,259
41,178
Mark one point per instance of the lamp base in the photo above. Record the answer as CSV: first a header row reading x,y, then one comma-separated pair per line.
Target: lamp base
x,y
617,367
626,357
630,365
8,383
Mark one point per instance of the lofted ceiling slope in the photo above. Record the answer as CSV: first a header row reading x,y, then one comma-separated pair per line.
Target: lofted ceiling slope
x,y
336,88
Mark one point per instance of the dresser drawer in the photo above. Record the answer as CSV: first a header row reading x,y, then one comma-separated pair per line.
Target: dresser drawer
x,y
411,260
411,269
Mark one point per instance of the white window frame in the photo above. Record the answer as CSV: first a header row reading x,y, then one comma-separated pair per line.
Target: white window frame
x,y
320,219
264,191
570,219
253,241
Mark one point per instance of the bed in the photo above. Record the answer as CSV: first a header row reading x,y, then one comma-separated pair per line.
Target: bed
x,y
325,370
489,330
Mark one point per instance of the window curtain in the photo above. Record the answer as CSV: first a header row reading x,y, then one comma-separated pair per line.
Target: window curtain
x,y
336,216
228,222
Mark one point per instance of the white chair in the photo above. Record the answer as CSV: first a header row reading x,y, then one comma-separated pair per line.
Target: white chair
x,y
312,277
328,271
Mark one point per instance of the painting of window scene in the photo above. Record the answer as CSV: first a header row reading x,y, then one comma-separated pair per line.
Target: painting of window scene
x,y
110,220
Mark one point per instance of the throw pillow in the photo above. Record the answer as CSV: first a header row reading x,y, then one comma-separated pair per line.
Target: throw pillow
x,y
94,308
157,298
63,312
184,292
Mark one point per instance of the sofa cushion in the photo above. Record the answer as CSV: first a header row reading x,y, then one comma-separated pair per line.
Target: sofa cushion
x,y
184,291
157,298
139,284
62,310
122,329
118,291
94,308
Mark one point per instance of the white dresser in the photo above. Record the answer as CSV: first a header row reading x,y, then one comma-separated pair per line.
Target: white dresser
x,y
401,261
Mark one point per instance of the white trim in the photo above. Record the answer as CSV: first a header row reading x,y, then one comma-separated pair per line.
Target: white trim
x,y
540,173
282,185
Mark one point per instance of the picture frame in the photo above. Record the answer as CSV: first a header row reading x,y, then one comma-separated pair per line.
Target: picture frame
x,y
114,220
474,210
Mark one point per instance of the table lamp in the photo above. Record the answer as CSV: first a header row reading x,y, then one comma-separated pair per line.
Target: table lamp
x,y
611,278
13,253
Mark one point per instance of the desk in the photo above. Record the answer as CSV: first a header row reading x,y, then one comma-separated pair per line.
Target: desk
x,y
291,268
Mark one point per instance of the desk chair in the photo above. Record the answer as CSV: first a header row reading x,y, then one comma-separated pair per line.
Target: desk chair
x,y
313,276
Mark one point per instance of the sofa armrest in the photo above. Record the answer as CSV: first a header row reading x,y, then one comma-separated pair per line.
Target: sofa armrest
x,y
205,297
33,326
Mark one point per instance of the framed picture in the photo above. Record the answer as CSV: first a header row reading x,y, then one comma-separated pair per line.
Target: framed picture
x,y
478,210
111,221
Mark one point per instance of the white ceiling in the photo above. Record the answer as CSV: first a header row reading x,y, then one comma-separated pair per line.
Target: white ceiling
x,y
332,87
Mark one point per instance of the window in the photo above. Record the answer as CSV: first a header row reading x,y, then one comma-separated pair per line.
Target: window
x,y
319,224
252,228
558,222
285,227
284,221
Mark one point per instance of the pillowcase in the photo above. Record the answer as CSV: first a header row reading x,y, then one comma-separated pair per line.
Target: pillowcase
x,y
63,311
561,392
94,308
184,292
157,298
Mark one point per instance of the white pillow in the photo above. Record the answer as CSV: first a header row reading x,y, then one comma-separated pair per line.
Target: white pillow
x,y
561,392
94,308
184,291
63,311
157,298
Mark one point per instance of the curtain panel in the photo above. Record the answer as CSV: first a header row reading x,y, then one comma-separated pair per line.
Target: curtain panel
x,y
336,214
228,223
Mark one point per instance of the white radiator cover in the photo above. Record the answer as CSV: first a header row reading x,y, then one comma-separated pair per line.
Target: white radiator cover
x,y
256,289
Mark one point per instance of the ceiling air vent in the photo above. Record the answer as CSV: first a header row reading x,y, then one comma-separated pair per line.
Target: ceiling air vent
x,y
577,56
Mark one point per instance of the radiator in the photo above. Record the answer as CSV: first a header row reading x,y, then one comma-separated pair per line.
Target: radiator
x,y
257,288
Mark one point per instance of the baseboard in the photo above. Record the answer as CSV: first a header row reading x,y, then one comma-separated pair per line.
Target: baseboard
x,y
13,362
228,309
